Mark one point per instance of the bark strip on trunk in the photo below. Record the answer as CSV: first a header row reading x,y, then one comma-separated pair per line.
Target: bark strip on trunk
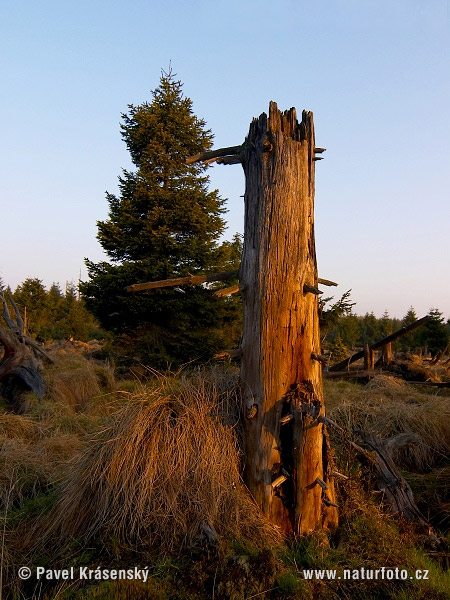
x,y
281,328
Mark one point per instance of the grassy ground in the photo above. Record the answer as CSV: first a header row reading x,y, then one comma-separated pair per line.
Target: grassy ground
x,y
147,473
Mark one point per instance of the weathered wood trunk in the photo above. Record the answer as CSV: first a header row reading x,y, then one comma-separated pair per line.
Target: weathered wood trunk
x,y
18,369
387,354
288,462
369,358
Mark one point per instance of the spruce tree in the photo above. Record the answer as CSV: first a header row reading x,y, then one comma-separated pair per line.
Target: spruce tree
x,y
409,342
164,223
434,335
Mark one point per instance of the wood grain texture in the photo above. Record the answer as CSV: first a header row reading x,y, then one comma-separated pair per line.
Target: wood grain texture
x,y
281,326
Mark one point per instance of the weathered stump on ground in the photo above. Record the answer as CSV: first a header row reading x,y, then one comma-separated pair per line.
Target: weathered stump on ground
x,y
19,372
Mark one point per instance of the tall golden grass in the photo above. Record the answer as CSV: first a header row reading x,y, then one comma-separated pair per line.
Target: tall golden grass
x,y
36,448
388,406
74,382
165,475
158,471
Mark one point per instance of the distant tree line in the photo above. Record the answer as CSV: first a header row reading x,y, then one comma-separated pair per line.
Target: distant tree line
x,y
343,331
53,314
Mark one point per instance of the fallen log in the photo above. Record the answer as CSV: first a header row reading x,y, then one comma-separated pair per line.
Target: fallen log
x,y
396,490
439,384
397,493
386,340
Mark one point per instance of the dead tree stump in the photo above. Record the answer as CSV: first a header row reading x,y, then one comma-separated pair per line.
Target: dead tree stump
x,y
288,462
369,358
387,354
19,371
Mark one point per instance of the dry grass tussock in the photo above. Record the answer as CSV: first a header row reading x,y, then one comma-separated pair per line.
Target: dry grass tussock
x,y
75,382
34,448
168,469
386,407
29,465
80,396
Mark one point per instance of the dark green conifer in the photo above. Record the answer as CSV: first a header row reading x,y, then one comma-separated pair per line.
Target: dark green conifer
x,y
433,336
165,223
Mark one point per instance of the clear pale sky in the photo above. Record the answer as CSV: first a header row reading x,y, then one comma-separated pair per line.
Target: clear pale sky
x,y
374,72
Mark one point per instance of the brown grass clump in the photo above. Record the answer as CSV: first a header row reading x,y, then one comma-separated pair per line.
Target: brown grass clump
x,y
387,407
28,466
80,395
73,382
34,448
18,426
163,475
432,493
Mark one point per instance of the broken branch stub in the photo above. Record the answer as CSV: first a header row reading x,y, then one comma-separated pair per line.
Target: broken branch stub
x,y
190,280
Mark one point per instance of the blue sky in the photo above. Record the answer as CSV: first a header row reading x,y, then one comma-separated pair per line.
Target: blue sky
x,y
375,74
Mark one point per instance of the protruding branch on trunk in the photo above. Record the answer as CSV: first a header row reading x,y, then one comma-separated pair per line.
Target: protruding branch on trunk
x,y
311,289
190,280
328,502
326,282
229,156
278,481
321,482
199,279
213,155
320,358
286,419
228,291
